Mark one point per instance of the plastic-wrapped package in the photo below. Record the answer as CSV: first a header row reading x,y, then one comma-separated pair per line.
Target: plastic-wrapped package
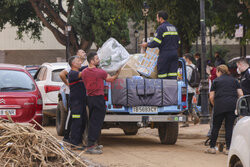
x,y
112,55
148,63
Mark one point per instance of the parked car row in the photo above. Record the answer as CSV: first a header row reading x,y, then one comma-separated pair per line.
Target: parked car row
x,y
19,95
30,92
49,83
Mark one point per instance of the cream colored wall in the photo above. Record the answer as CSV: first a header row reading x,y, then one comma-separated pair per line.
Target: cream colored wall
x,y
8,41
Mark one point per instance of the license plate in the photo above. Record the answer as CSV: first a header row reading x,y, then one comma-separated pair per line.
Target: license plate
x,y
10,111
145,109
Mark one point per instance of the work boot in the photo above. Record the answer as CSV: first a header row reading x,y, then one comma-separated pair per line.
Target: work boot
x,y
226,151
66,140
99,147
79,148
93,150
210,151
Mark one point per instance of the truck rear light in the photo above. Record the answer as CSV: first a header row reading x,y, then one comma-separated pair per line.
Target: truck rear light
x,y
106,91
117,106
183,94
183,98
51,88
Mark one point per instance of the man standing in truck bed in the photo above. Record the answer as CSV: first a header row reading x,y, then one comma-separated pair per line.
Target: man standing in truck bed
x,y
167,40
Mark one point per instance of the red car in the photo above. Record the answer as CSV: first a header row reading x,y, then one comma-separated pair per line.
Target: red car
x,y
19,95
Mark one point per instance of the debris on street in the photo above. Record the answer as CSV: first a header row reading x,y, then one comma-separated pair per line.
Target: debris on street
x,y
23,145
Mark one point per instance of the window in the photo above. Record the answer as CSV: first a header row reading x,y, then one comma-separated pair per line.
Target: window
x,y
41,76
15,81
55,75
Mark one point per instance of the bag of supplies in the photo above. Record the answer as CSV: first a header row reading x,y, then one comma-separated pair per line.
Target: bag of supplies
x,y
112,56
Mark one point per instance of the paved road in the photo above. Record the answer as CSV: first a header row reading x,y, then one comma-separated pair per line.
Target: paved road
x,y
145,150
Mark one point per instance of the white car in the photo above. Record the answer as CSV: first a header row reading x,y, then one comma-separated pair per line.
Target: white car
x,y
48,81
239,153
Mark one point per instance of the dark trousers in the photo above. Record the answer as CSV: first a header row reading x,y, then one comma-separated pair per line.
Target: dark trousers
x,y
167,64
68,120
190,106
229,123
97,111
79,117
68,125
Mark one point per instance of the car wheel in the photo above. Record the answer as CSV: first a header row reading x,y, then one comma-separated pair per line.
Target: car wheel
x,y
130,131
168,132
61,116
237,164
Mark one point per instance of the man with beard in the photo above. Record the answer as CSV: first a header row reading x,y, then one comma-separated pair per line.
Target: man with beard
x,y
93,79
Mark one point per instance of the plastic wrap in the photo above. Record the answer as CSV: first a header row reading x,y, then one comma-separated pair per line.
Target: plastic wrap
x,y
112,55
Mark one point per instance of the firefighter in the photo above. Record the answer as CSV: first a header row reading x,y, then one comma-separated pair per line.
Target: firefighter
x,y
167,40
77,102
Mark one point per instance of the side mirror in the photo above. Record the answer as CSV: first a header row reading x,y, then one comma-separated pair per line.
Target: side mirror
x,y
243,106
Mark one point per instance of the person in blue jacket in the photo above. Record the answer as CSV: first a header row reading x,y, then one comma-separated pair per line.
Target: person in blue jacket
x,y
167,40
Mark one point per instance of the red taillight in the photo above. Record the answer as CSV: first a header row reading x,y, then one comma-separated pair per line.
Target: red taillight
x,y
183,94
183,97
51,88
106,93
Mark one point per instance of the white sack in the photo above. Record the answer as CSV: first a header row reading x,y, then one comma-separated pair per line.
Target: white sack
x,y
112,55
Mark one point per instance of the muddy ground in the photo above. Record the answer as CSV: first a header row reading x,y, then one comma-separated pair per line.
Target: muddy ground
x,y
145,150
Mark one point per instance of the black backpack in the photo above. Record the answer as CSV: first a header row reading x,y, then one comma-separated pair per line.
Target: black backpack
x,y
195,77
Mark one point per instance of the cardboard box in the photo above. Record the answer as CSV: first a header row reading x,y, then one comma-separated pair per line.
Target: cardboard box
x,y
148,63
130,68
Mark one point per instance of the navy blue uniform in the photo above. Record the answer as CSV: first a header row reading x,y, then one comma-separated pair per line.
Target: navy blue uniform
x,y
167,40
77,104
245,82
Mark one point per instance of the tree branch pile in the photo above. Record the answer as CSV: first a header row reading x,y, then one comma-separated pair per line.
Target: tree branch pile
x,y
22,145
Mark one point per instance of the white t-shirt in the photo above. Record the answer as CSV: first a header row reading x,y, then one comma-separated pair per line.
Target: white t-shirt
x,y
189,74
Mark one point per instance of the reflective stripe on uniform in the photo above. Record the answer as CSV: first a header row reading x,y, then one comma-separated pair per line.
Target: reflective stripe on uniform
x,y
167,75
157,40
169,33
172,74
76,116
162,75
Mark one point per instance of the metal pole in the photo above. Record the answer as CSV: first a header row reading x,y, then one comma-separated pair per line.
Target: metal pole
x,y
210,43
204,83
196,45
240,48
136,45
244,45
67,45
146,29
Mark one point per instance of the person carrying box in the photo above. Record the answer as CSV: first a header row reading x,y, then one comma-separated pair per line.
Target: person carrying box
x,y
167,40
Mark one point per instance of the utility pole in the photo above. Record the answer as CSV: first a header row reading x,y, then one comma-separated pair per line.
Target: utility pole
x,y
67,30
204,83
145,11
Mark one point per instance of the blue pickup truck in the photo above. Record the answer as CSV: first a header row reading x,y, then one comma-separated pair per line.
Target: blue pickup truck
x,y
137,102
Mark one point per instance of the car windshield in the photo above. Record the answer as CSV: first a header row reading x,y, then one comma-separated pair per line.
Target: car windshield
x,y
55,75
15,81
